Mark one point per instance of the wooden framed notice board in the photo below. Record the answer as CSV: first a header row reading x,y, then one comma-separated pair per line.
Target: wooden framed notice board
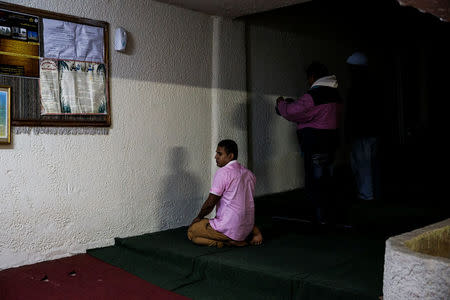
x,y
56,66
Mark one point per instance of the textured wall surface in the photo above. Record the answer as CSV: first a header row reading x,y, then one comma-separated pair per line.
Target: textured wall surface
x,y
274,61
63,194
413,275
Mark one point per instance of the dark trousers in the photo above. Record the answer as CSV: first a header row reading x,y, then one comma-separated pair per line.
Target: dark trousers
x,y
319,148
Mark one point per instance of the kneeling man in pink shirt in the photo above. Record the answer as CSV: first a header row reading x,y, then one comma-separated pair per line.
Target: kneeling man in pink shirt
x,y
232,194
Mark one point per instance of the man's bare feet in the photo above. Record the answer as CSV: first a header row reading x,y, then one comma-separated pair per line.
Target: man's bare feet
x,y
257,239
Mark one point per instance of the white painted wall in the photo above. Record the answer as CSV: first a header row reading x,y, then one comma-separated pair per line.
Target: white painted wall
x,y
275,64
63,194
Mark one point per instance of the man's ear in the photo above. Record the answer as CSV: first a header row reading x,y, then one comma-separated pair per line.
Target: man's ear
x,y
232,155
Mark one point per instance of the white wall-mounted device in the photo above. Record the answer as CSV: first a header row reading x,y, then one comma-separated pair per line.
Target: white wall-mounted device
x,y
120,39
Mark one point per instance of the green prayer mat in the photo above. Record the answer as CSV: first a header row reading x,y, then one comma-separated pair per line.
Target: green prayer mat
x,y
293,265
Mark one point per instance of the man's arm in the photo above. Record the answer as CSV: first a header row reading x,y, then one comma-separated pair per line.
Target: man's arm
x,y
207,207
295,111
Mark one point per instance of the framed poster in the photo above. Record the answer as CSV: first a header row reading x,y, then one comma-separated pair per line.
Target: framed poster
x,y
5,114
57,65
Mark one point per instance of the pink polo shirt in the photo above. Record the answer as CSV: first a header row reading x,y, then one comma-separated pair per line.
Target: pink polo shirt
x,y
235,211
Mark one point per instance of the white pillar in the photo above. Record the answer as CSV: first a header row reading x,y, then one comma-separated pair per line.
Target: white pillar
x,y
228,87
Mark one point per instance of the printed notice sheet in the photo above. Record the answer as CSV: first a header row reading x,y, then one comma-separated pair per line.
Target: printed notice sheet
x,y
74,88
49,86
72,41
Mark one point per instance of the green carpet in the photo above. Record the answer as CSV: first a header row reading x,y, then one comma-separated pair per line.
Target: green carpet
x,y
166,258
292,265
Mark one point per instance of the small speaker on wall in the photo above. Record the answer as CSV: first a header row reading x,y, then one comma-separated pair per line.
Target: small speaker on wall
x,y
120,39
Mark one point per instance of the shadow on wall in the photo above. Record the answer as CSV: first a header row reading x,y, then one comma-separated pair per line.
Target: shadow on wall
x,y
262,141
180,197
275,66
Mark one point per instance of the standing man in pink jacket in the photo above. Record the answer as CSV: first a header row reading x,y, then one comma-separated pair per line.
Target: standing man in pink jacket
x,y
317,115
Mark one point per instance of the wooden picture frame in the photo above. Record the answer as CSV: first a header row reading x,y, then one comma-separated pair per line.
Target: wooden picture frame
x,y
27,107
5,114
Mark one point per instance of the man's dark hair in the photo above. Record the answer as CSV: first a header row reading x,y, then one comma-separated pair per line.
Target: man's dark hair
x,y
317,70
229,146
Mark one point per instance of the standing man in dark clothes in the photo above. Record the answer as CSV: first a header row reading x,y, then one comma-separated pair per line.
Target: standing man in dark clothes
x,y
316,114
362,127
